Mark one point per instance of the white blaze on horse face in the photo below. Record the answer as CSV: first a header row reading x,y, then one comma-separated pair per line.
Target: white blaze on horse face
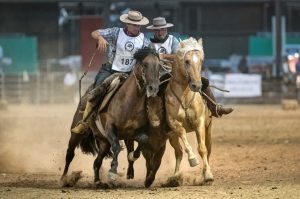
x,y
195,58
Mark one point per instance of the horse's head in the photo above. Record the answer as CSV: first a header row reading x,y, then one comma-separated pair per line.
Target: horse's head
x,y
147,70
191,56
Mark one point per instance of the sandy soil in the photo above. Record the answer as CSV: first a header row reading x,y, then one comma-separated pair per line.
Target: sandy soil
x,y
256,154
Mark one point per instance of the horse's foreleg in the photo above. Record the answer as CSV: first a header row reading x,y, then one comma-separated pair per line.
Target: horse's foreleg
x,y
116,148
178,129
130,147
104,147
73,142
174,141
193,160
201,139
156,161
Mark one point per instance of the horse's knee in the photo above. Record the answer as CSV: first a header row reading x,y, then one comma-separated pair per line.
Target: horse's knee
x,y
202,148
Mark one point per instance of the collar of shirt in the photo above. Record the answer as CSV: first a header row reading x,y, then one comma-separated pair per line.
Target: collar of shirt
x,y
129,34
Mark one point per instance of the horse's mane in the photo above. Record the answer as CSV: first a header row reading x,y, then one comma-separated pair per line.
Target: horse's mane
x,y
142,53
188,45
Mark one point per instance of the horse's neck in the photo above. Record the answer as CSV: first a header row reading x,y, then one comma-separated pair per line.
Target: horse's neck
x,y
131,86
130,89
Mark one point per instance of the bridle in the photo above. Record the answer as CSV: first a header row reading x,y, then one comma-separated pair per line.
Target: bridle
x,y
141,84
188,105
137,81
187,76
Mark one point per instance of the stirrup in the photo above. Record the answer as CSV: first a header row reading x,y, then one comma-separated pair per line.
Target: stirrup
x,y
80,129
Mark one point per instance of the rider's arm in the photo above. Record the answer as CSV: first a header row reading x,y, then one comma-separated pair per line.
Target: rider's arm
x,y
105,37
101,42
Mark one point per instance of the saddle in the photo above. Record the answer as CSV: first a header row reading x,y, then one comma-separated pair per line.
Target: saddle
x,y
103,93
108,88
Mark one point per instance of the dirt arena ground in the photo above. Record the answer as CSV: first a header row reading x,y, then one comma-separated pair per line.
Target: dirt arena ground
x,y
256,154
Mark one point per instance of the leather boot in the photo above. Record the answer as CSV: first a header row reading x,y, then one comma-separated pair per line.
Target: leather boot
x,y
216,109
82,125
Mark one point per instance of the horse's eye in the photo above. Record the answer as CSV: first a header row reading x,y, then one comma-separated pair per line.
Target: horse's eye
x,y
145,65
187,62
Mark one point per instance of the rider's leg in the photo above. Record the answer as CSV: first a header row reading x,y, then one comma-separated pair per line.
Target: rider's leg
x,y
217,109
82,126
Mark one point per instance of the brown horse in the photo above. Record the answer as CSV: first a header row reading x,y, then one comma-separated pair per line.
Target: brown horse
x,y
186,110
125,117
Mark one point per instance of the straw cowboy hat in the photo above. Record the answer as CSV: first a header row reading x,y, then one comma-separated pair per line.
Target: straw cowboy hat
x,y
134,17
158,23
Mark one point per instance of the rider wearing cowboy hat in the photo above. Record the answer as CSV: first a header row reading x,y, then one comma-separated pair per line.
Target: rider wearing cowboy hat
x,y
167,44
163,42
120,44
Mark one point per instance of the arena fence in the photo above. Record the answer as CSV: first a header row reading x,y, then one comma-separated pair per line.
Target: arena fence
x,y
40,88
48,87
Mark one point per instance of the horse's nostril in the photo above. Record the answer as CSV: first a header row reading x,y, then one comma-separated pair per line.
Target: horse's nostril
x,y
150,88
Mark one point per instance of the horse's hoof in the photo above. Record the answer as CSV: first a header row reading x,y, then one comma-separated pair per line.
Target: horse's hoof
x,y
208,178
193,162
64,181
99,184
131,156
112,176
174,181
71,180
130,176
148,182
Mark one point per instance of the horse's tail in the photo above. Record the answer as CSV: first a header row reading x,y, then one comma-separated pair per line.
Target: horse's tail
x,y
88,143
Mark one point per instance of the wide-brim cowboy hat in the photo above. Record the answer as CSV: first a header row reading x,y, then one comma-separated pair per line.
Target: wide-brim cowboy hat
x,y
134,17
158,23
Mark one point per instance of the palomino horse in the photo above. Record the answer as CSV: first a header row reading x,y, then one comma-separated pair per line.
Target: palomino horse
x,y
123,118
185,108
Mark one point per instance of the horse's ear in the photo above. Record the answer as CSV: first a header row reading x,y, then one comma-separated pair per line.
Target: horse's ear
x,y
200,41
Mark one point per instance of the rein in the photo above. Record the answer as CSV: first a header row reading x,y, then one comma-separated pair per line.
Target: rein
x,y
178,99
137,81
84,74
189,119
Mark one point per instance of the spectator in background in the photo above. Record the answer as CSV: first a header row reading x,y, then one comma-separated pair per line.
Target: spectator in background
x,y
243,68
70,78
70,83
287,76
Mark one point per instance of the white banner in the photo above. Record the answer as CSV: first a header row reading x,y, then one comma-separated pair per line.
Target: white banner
x,y
243,85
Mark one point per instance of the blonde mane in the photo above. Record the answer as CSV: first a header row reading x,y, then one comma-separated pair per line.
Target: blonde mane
x,y
188,45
